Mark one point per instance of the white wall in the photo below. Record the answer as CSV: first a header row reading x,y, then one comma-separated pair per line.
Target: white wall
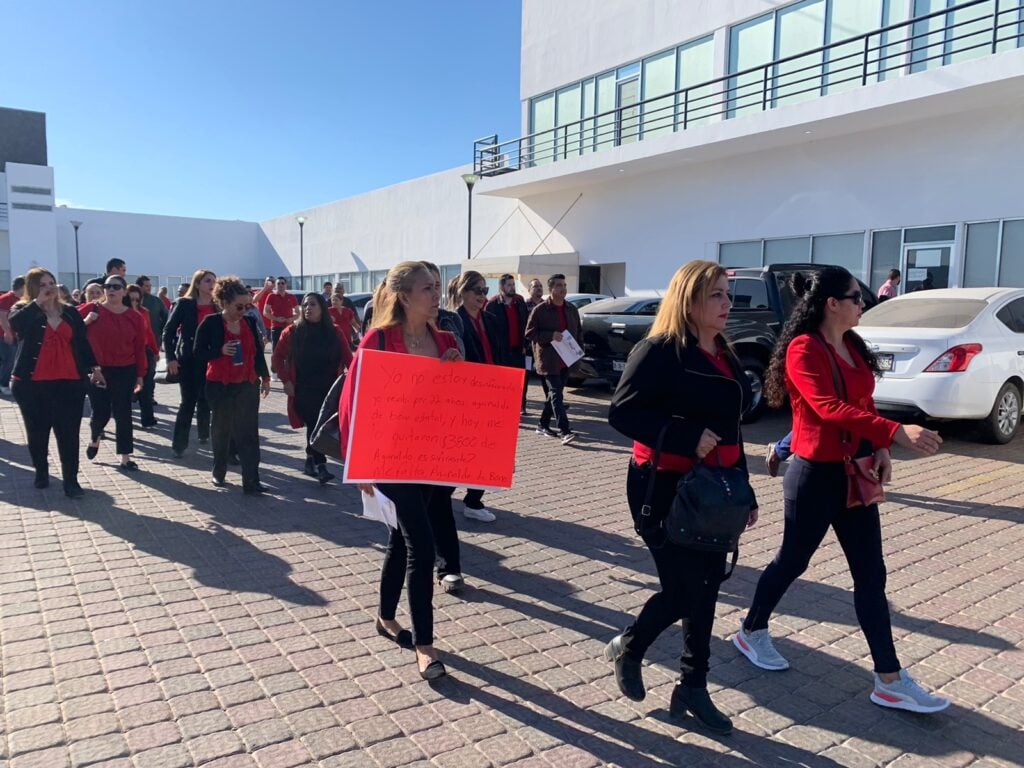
x,y
33,237
961,168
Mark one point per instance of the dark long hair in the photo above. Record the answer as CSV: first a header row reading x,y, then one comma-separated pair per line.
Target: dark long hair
x,y
315,342
807,317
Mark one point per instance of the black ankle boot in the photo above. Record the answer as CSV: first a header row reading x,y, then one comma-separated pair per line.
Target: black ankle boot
x,y
307,468
628,673
698,703
42,478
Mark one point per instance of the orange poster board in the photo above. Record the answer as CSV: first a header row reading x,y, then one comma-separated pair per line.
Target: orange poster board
x,y
419,420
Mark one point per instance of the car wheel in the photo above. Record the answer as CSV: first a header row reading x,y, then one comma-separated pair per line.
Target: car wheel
x,y
1002,423
755,375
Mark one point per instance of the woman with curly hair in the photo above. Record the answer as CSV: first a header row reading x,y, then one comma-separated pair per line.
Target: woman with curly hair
x,y
236,373
817,349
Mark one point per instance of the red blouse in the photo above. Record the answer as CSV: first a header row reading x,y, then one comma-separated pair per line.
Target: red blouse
x,y
56,361
343,319
118,339
226,369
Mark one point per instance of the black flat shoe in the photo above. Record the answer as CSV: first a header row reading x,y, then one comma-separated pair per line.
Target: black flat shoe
x,y
73,490
323,475
628,672
698,703
256,489
434,671
217,481
128,466
403,639
91,451
42,480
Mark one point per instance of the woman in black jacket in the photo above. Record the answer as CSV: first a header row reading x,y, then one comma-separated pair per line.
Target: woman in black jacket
x,y
483,344
51,364
684,375
227,346
179,339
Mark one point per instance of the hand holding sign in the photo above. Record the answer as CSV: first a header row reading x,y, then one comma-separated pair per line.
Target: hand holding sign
x,y
567,348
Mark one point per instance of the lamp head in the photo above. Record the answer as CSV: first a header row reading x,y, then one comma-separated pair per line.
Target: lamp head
x,y
470,179
76,224
301,220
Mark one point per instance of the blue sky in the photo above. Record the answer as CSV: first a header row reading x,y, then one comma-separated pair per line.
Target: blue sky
x,y
249,110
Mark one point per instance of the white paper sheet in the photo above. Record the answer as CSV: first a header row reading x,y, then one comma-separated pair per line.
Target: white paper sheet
x,y
567,348
380,507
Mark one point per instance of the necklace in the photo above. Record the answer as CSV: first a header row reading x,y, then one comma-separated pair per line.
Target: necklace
x,y
414,342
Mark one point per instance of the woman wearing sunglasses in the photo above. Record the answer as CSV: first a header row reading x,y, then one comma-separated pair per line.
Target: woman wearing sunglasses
x,y
829,374
146,417
118,340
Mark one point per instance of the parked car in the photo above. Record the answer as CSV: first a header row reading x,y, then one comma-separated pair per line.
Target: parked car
x,y
580,300
952,353
359,299
762,300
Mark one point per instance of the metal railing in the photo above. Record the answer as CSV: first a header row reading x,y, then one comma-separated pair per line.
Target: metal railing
x,y
899,49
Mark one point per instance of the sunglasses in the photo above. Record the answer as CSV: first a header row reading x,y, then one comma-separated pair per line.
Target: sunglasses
x,y
113,287
478,291
855,297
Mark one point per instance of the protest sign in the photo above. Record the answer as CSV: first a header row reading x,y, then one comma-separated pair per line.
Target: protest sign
x,y
567,348
418,420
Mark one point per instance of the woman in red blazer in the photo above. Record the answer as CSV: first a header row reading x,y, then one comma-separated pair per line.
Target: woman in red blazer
x,y
817,339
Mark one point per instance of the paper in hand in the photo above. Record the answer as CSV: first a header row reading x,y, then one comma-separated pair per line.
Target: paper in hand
x,y
380,507
567,349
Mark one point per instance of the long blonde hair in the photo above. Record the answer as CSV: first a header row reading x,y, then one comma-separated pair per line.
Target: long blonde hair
x,y
197,278
387,305
32,280
690,285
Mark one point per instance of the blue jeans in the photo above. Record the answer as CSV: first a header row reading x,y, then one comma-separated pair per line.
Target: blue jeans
x,y
782,449
6,362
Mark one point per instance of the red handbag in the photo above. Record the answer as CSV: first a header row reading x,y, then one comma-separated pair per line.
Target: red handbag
x,y
863,486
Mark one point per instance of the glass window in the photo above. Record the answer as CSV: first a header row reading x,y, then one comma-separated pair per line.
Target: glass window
x,y
850,18
589,99
745,254
1011,262
567,113
929,43
1012,315
628,110
605,110
696,65
799,27
751,44
942,234
840,250
892,45
980,256
1011,29
787,251
972,35
542,120
659,78
630,70
924,313
748,293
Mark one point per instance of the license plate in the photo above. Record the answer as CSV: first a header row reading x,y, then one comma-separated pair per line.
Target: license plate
x,y
884,362
618,365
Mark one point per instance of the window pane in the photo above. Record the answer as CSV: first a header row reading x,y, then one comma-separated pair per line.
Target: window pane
x,y
659,77
1011,264
929,42
980,258
792,250
628,111
746,254
748,293
750,45
942,234
542,120
801,27
850,18
973,37
696,65
924,313
892,53
567,113
605,106
1011,29
840,250
589,98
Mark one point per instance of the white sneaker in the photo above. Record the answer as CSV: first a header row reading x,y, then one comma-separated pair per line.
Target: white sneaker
x,y
452,583
906,693
483,514
568,437
758,647
274,377
5,391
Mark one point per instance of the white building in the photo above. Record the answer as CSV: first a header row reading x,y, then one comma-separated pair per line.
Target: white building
x,y
869,133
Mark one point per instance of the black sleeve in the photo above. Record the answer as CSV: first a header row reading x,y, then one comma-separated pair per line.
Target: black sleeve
x,y
209,339
24,316
261,360
638,408
170,334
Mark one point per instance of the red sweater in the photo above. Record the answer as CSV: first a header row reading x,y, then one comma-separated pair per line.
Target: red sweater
x,y
819,415
393,342
118,340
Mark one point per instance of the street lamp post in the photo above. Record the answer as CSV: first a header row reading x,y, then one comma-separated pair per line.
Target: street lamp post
x,y
302,269
470,179
78,277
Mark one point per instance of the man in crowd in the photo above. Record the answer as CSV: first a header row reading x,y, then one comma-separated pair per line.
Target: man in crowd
x,y
339,290
326,293
536,294
114,267
281,309
182,289
509,310
548,321
7,343
153,305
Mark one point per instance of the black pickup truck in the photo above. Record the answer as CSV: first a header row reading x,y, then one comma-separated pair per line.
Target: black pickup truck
x,y
762,300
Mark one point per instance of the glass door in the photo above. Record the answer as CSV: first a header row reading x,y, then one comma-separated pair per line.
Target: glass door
x,y
926,266
627,97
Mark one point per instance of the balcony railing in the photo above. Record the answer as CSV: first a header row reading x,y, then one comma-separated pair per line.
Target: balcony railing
x,y
921,43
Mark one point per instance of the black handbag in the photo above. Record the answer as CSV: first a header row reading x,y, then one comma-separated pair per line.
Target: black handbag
x,y
709,511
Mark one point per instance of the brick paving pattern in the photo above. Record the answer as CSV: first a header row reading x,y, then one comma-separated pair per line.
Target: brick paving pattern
x,y
162,623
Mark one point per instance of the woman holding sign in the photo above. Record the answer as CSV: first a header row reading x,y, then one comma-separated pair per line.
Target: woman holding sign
x,y
680,399
483,344
404,315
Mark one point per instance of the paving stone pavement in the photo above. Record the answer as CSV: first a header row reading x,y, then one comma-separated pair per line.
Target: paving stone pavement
x,y
162,623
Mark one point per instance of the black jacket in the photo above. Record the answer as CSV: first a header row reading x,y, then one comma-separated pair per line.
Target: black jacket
x,y
661,384
496,309
210,340
184,317
474,347
29,322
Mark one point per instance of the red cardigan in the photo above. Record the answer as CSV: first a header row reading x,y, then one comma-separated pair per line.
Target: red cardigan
x,y
819,415
284,365
393,342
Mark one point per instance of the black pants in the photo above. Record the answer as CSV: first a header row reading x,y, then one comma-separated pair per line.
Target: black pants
x,y
815,498
55,405
275,336
689,578
309,398
114,400
410,559
146,417
446,535
518,360
554,402
192,384
234,424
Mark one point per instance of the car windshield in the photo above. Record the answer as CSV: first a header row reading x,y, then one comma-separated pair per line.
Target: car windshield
x,y
923,313
610,306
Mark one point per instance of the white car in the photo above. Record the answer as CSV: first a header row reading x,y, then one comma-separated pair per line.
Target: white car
x,y
580,300
952,353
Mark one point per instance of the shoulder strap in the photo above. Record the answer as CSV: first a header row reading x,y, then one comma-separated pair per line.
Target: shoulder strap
x,y
645,510
380,339
840,384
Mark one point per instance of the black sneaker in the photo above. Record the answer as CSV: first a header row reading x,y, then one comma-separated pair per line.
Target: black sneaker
x,y
73,490
547,432
256,489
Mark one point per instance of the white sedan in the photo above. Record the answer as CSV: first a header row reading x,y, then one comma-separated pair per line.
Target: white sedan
x,y
952,353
